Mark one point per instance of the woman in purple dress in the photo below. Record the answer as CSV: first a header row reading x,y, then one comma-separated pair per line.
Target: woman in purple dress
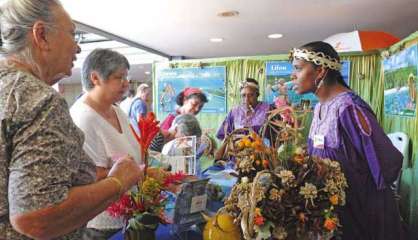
x,y
345,129
250,114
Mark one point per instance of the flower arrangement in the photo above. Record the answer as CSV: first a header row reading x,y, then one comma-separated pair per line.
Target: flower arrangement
x,y
285,193
143,207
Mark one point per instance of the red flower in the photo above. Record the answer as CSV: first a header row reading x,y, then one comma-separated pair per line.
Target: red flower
x,y
123,207
148,128
174,178
259,220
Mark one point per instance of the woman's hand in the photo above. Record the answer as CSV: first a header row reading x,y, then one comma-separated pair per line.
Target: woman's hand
x,y
127,171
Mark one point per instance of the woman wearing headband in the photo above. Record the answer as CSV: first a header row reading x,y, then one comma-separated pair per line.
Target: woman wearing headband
x,y
250,114
344,128
191,101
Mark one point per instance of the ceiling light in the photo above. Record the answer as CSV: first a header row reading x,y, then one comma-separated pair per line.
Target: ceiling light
x,y
275,36
228,14
216,40
147,73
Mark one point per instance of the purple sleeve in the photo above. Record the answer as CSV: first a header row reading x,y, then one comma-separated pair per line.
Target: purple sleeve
x,y
383,159
227,124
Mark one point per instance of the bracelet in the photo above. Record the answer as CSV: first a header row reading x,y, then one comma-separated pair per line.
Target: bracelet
x,y
118,182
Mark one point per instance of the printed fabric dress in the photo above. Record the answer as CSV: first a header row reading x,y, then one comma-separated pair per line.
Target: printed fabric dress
x,y
370,163
239,117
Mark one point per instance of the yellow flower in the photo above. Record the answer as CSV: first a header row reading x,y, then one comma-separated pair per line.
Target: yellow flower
x,y
247,142
151,187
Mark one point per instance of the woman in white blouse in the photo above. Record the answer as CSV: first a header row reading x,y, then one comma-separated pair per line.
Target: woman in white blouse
x,y
105,125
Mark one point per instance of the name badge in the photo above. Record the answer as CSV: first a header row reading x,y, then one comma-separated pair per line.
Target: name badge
x,y
319,141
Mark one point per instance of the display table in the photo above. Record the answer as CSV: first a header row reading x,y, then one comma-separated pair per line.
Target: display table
x,y
217,175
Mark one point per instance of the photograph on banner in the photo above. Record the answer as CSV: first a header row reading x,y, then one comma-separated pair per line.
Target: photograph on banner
x,y
400,75
279,85
211,80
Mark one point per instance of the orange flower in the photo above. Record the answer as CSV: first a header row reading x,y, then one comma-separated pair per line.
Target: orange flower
x,y
247,142
257,211
330,224
258,145
334,199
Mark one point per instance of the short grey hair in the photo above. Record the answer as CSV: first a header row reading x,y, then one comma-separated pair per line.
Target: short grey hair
x,y
187,125
17,17
104,62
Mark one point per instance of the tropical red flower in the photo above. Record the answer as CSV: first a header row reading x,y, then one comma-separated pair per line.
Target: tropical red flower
x,y
148,128
174,178
259,220
122,208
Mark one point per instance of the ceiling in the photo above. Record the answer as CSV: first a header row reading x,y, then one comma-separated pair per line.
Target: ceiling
x,y
182,28
140,60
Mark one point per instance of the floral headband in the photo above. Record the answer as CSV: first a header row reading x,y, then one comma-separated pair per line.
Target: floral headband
x,y
248,84
318,58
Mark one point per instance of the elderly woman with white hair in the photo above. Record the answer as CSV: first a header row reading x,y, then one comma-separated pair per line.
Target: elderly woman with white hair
x,y
47,187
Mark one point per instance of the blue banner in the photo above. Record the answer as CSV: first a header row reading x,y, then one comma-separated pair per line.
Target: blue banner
x,y
278,83
400,76
211,80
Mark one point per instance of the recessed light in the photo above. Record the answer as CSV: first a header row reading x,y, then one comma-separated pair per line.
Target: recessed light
x,y
147,73
216,40
228,14
275,36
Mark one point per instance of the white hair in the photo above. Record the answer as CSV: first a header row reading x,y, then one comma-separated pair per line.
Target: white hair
x,y
187,125
17,17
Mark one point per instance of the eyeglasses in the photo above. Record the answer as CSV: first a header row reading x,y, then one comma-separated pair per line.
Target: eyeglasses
x,y
76,36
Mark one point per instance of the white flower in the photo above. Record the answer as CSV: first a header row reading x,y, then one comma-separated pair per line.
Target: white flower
x,y
309,191
244,180
280,149
286,176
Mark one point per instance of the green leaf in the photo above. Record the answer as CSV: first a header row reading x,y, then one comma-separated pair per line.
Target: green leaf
x,y
264,232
